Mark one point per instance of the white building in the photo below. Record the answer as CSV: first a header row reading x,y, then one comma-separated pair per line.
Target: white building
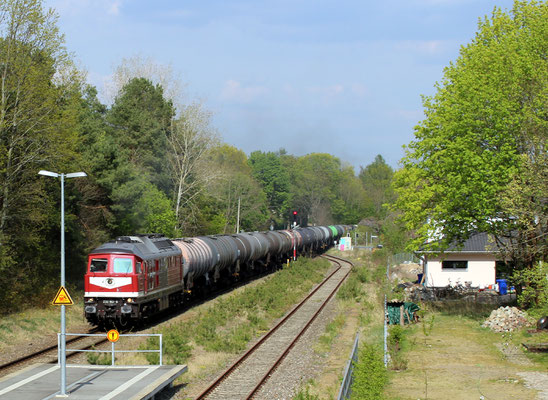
x,y
473,263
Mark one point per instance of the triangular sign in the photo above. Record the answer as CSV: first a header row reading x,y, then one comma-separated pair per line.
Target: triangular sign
x,y
62,298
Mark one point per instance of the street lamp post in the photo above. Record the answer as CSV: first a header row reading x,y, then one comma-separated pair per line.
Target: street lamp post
x,y
62,350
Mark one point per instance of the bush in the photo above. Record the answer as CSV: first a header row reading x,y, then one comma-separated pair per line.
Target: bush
x,y
370,375
99,358
535,288
351,289
396,340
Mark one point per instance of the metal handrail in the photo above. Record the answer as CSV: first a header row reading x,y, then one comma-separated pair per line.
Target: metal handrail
x,y
113,350
346,386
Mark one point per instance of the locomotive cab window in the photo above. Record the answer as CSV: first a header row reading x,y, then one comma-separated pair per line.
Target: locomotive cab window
x,y
122,265
98,265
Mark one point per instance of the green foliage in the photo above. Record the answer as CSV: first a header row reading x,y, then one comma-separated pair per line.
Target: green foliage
x,y
235,183
534,294
38,130
101,358
305,395
268,170
396,341
370,375
176,348
352,287
376,179
331,331
489,108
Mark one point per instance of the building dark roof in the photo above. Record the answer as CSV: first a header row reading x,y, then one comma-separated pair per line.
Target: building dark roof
x,y
476,243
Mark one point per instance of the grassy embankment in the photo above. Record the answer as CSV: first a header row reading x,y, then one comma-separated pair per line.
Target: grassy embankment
x,y
37,323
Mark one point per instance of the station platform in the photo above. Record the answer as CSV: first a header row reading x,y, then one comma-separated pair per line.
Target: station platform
x,y
89,382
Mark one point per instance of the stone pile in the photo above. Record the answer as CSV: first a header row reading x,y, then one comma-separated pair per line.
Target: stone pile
x,y
506,319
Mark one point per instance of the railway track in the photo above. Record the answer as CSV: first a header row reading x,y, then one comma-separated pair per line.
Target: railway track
x,y
244,378
51,349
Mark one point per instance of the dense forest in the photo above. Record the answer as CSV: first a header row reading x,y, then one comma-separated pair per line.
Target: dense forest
x,y
153,164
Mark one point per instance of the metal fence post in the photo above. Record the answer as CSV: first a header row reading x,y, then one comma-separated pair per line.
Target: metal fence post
x,y
161,350
385,334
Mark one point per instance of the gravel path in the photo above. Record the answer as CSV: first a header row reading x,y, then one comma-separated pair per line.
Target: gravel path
x,y
537,381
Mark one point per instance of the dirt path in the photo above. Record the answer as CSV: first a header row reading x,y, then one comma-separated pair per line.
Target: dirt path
x,y
458,361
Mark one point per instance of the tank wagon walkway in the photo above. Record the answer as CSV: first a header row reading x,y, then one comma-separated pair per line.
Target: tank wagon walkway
x,y
42,382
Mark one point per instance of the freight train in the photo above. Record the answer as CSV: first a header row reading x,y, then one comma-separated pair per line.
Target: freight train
x,y
136,277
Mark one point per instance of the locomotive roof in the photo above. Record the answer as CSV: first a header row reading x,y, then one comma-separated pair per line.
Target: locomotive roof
x,y
146,247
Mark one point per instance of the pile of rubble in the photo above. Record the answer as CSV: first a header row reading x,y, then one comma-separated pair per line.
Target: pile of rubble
x,y
506,319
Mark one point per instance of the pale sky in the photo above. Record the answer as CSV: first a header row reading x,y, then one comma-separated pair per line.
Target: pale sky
x,y
340,77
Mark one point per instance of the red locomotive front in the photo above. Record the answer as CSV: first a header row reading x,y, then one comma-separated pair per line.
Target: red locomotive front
x,y
132,278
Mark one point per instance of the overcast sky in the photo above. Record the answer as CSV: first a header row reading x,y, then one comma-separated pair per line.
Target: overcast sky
x,y
341,77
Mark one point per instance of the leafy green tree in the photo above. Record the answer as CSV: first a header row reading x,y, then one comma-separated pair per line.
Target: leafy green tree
x,y
314,182
132,153
268,170
377,183
39,95
347,208
141,118
190,142
489,108
236,184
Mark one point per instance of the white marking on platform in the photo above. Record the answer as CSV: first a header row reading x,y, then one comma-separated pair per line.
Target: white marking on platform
x,y
29,379
128,383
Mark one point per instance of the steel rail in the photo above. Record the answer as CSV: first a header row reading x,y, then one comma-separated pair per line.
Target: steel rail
x,y
250,351
301,333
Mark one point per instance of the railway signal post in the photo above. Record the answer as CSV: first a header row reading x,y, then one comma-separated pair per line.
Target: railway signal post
x,y
63,341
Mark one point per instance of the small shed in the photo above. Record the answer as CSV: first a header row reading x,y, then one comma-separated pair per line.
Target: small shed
x,y
471,264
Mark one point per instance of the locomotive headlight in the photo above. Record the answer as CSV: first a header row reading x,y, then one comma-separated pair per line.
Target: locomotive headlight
x,y
90,300
130,300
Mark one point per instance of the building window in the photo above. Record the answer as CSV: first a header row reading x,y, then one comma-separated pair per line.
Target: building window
x,y
449,265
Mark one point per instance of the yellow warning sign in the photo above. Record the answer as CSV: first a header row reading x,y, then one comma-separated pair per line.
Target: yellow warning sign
x,y
113,335
62,298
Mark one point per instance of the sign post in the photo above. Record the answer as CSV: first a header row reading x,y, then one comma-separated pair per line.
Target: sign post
x,y
113,335
61,298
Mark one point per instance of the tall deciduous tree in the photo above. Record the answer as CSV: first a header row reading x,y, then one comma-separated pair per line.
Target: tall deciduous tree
x,y
35,98
191,140
236,184
315,179
490,107
377,182
39,94
268,170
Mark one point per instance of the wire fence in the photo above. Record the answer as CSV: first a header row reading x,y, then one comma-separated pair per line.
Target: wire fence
x,y
405,258
346,386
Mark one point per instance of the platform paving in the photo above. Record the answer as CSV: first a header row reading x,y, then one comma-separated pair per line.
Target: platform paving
x,y
89,382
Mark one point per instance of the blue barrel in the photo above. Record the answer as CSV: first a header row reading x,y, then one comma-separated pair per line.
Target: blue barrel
x,y
503,287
